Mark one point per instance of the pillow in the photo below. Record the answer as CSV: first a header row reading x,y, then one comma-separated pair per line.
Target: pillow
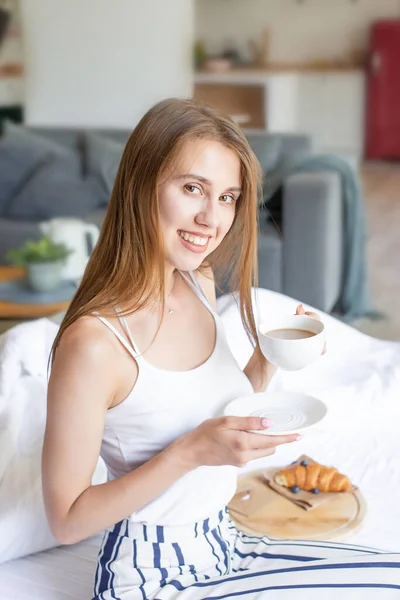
x,y
39,144
103,156
17,164
267,148
21,154
57,190
24,350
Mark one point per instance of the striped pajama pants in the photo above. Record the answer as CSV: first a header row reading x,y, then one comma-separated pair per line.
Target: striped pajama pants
x,y
212,559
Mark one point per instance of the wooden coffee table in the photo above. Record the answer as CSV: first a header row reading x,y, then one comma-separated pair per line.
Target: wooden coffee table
x,y
14,310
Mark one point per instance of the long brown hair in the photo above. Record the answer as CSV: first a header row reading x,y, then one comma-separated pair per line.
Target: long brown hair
x,y
127,265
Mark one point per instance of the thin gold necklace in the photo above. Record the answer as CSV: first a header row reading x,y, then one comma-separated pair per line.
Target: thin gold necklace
x,y
170,310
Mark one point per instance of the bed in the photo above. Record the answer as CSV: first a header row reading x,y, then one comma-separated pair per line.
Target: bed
x,y
64,573
358,378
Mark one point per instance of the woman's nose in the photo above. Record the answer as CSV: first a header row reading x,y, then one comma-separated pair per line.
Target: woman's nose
x,y
208,215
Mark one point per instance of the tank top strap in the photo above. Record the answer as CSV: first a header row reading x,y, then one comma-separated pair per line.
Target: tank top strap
x,y
125,327
193,282
130,348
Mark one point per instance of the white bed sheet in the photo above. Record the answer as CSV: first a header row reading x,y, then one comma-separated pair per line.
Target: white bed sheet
x,y
358,378
65,573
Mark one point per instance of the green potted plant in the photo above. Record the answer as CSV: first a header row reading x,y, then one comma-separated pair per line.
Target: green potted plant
x,y
43,259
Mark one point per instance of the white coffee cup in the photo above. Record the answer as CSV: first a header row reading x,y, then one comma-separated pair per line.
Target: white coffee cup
x,y
291,354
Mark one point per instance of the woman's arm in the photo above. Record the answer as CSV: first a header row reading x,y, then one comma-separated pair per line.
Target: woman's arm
x,y
82,386
259,377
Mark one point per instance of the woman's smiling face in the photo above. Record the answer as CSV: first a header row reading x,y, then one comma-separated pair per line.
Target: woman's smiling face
x,y
197,202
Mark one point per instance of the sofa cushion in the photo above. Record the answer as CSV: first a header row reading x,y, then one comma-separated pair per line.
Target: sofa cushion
x,y
267,148
270,256
22,153
57,190
17,164
41,146
102,158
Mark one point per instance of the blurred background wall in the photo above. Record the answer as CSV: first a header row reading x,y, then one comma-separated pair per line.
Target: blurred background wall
x,y
101,62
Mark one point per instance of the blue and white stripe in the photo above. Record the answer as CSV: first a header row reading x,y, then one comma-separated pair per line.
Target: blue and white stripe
x,y
212,559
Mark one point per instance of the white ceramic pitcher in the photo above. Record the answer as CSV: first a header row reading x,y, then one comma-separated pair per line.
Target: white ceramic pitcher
x,y
78,235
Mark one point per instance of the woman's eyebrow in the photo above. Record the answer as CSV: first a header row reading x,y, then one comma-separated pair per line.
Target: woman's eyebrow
x,y
206,181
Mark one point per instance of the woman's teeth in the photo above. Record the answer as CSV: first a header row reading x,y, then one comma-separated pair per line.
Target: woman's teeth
x,y
193,239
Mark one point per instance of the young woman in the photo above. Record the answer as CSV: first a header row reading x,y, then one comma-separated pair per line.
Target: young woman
x,y
142,371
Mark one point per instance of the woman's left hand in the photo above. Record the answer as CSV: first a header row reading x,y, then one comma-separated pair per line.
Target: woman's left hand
x,y
300,311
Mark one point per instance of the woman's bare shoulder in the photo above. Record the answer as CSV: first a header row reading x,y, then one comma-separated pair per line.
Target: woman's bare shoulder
x,y
88,338
90,352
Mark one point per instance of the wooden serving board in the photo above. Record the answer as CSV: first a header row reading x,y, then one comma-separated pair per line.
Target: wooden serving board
x,y
278,517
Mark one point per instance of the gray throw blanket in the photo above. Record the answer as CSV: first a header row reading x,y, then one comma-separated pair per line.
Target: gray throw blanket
x,y
354,299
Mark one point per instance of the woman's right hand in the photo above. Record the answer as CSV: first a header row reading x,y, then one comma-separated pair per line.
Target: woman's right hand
x,y
229,441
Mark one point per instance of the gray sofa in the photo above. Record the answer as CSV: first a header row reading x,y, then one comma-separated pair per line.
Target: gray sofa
x,y
303,258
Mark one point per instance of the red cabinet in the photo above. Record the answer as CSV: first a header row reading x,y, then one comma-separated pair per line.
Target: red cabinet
x,y
383,92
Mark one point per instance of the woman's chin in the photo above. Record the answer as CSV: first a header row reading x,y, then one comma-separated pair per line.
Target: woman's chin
x,y
187,263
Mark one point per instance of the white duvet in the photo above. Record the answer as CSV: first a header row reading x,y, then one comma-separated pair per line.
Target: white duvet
x,y
24,352
359,380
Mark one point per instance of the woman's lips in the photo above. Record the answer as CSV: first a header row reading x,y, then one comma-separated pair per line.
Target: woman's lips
x,y
194,247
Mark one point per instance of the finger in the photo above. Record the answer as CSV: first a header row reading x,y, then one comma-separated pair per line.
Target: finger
x,y
247,423
254,454
300,310
271,441
324,350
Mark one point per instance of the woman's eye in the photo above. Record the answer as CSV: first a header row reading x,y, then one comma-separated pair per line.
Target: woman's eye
x,y
192,189
227,199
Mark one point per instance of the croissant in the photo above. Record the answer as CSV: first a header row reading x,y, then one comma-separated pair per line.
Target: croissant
x,y
313,476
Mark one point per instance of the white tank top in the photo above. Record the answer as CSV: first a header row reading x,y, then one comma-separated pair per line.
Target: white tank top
x,y
164,405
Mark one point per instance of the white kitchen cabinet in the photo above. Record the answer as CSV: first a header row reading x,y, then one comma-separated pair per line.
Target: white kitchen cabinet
x,y
331,109
310,106
344,118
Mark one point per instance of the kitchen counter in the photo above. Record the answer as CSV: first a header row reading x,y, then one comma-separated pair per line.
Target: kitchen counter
x,y
286,68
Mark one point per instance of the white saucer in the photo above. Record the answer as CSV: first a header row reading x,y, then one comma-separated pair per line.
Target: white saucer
x,y
290,411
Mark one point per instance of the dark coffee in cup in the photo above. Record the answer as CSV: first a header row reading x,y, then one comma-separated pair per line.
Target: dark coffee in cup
x,y
291,342
290,334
